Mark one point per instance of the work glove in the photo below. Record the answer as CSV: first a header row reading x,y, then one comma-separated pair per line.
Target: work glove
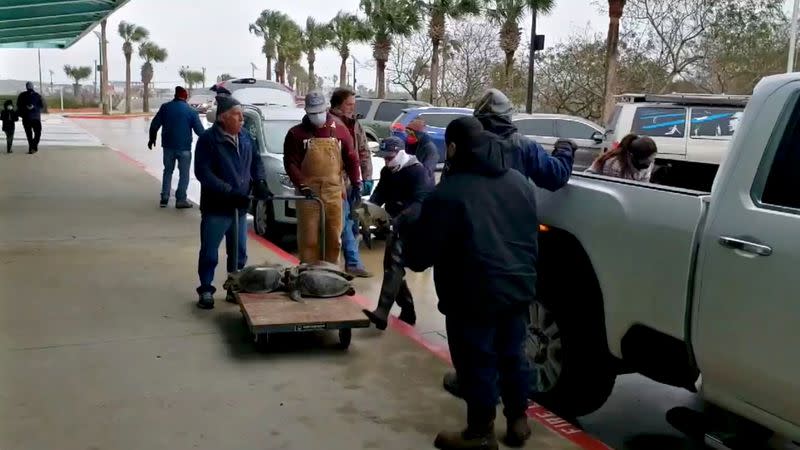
x,y
261,190
366,187
566,144
240,201
306,192
151,144
354,196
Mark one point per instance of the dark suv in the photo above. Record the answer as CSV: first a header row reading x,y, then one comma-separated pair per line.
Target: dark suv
x,y
377,114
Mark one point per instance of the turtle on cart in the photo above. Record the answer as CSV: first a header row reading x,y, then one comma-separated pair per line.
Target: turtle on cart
x,y
315,300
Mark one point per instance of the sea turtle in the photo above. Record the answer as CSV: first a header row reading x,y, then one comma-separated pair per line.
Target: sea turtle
x,y
255,279
317,283
372,219
321,266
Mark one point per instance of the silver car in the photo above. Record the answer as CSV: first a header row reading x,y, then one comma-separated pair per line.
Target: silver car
x,y
546,129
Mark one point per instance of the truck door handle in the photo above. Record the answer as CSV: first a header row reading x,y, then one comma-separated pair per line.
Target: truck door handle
x,y
745,246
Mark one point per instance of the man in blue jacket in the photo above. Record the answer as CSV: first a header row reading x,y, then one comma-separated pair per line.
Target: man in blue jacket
x,y
522,154
178,120
228,167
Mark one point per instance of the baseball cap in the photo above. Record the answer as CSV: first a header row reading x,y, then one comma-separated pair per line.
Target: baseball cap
x,y
315,102
390,146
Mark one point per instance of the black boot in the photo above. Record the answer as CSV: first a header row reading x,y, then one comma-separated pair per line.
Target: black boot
x,y
479,434
406,301
518,431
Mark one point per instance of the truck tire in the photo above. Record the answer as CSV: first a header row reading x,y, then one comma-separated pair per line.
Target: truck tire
x,y
573,373
264,221
570,376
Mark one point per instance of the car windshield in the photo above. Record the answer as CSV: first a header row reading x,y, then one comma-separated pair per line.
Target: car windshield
x,y
263,96
275,133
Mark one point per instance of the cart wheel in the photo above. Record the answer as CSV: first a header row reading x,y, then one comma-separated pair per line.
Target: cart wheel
x,y
262,341
345,336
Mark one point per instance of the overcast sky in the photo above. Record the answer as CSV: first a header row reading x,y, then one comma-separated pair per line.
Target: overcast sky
x,y
214,34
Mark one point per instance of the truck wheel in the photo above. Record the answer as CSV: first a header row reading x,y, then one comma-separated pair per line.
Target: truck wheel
x,y
571,371
345,336
264,220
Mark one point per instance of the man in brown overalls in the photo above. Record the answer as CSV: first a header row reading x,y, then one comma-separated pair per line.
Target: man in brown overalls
x,y
314,154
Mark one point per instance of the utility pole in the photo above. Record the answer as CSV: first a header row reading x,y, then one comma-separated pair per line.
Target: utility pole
x,y
793,37
41,87
103,47
204,77
96,68
354,72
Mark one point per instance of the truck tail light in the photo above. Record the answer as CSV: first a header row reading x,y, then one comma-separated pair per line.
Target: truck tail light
x,y
399,127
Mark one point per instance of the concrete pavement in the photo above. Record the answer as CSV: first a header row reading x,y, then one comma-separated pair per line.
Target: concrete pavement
x,y
101,346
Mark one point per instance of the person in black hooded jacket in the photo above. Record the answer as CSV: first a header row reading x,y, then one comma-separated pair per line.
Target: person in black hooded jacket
x,y
484,257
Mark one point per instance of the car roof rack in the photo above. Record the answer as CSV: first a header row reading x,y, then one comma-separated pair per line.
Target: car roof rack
x,y
686,99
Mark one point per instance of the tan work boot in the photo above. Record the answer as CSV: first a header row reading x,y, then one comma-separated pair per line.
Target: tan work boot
x,y
466,440
518,431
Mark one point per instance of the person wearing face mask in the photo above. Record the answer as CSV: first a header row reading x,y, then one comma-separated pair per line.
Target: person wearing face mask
x,y
404,183
29,109
228,167
632,159
419,144
9,117
315,152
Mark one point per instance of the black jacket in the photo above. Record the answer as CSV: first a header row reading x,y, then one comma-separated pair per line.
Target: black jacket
x,y
8,117
426,153
30,105
401,193
478,230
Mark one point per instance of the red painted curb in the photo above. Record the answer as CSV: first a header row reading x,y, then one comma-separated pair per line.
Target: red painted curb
x,y
102,117
537,412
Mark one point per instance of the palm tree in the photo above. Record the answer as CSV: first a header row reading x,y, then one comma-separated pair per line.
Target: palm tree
x,y
507,14
224,77
77,74
289,46
386,19
439,11
347,29
317,36
298,77
191,77
130,33
615,8
150,53
267,26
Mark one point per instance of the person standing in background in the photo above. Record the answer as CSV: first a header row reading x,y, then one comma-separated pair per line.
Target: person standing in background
x,y
178,120
8,116
419,144
343,106
29,109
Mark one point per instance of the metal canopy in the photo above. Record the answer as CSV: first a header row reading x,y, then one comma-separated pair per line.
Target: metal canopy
x,y
51,23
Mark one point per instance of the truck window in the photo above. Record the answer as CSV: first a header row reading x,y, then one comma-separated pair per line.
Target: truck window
x,y
660,122
782,188
388,111
536,127
714,122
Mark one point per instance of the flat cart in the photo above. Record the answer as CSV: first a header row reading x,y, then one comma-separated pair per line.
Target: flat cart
x,y
275,312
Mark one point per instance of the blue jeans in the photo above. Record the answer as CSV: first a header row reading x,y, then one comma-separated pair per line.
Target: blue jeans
x,y
349,242
184,160
212,229
485,351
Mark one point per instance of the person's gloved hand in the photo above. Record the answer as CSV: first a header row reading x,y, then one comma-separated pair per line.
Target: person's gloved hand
x,y
566,144
151,144
354,196
367,186
306,192
261,190
241,201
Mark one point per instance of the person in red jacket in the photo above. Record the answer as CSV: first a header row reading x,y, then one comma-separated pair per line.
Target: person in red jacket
x,y
314,154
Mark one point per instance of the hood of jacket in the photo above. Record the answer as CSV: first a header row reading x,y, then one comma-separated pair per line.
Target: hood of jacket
x,y
494,111
486,156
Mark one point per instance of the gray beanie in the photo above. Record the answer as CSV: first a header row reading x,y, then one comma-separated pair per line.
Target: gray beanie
x,y
224,103
495,103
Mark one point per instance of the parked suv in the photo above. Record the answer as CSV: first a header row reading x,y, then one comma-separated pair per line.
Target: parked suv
x,y
546,129
377,114
436,121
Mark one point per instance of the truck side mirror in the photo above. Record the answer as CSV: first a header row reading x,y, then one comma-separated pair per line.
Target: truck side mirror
x,y
598,137
359,116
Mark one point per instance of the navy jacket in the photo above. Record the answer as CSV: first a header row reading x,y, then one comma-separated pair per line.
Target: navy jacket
x,y
178,120
224,170
426,153
547,171
401,193
30,106
478,230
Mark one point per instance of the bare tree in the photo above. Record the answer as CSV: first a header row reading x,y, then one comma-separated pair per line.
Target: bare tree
x,y
409,63
470,65
671,32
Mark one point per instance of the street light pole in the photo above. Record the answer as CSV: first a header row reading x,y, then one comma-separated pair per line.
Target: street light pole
x,y
793,37
106,105
41,86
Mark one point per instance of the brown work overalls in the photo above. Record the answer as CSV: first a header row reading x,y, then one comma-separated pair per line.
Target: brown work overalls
x,y
322,168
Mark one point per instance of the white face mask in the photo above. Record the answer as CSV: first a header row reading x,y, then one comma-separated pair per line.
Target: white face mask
x,y
9,107
398,161
318,119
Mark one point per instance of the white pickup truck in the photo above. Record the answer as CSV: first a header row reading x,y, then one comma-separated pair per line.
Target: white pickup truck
x,y
675,284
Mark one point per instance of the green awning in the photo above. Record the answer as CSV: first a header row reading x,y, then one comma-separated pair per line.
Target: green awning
x,y
50,23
